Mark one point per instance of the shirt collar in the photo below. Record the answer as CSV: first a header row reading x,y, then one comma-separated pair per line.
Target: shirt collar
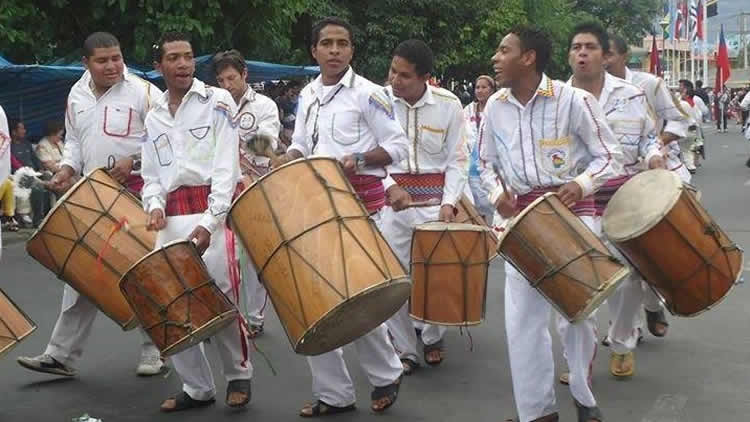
x,y
427,98
545,89
346,81
197,88
628,75
248,96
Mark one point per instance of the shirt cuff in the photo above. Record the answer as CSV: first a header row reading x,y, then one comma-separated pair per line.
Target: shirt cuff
x,y
495,195
76,168
392,152
294,147
154,204
388,182
653,153
450,199
209,222
586,183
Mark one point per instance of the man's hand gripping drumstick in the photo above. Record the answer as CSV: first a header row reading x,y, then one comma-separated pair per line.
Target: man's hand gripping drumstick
x,y
262,146
507,203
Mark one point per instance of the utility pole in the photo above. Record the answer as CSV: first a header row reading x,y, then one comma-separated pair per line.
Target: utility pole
x,y
743,35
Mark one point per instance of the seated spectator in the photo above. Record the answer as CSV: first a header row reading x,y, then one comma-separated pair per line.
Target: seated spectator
x,y
22,154
8,203
50,148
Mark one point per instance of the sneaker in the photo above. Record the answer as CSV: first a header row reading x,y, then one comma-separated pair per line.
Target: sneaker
x,y
47,364
25,221
150,363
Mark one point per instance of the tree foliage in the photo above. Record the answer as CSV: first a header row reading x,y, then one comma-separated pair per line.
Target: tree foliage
x,y
463,35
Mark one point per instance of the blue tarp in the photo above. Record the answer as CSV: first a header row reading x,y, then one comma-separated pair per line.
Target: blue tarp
x,y
37,93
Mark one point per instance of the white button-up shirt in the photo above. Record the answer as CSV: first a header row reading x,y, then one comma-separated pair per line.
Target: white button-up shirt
x,y
198,146
560,135
257,115
109,126
4,147
353,116
438,141
630,118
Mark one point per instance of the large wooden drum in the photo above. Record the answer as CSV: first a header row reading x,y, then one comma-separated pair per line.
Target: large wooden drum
x,y
83,241
176,300
15,325
660,226
449,264
561,257
328,271
467,214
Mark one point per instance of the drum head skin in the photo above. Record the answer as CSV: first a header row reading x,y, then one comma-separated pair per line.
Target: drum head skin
x,y
438,226
640,204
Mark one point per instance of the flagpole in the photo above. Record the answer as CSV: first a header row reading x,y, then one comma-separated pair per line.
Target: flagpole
x,y
705,37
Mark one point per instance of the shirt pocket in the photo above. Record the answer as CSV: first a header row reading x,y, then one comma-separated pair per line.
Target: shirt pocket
x,y
346,127
555,155
118,120
164,151
627,132
431,140
201,143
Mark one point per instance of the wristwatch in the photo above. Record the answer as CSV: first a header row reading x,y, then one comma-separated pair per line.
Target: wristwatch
x,y
359,160
136,162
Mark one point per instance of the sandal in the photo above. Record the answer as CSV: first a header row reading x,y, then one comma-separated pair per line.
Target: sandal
x,y
549,418
184,402
320,408
430,353
586,414
409,366
657,318
242,387
254,331
389,392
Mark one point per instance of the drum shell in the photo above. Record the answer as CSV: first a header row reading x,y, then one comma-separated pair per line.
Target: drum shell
x,y
85,223
327,269
449,266
15,325
561,257
671,257
175,299
467,214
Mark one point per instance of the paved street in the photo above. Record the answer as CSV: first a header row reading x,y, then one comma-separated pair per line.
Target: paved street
x,y
698,373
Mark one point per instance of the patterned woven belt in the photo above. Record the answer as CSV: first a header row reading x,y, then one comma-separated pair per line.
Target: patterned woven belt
x,y
421,187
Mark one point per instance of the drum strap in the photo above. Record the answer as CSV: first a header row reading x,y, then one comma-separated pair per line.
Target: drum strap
x,y
233,269
421,187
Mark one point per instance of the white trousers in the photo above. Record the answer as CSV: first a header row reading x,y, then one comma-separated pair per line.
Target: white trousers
x,y
73,328
397,229
527,320
191,364
255,293
481,199
331,382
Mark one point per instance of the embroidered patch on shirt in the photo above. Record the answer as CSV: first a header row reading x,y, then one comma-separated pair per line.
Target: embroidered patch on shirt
x,y
565,140
247,120
557,157
381,104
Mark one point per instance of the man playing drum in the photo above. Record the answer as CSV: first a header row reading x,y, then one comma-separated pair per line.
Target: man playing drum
x,y
543,136
344,116
104,127
256,115
627,111
190,171
436,169
671,125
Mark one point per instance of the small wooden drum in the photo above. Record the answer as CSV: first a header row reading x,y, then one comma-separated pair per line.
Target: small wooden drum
x,y
449,263
175,299
84,242
561,257
329,272
15,325
667,235
467,214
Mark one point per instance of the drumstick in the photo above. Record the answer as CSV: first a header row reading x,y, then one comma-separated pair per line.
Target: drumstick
x,y
428,203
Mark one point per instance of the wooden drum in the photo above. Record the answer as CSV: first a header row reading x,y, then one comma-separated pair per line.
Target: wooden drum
x,y
467,214
561,257
15,325
449,264
660,226
176,300
83,241
328,271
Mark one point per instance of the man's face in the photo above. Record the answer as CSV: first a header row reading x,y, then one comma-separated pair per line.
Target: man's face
x,y
615,62
19,132
106,66
509,61
683,89
586,57
233,81
334,50
404,79
177,65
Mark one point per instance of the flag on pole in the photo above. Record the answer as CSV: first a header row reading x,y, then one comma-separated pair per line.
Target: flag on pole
x,y
693,21
685,22
723,72
699,22
712,8
678,22
655,66
666,21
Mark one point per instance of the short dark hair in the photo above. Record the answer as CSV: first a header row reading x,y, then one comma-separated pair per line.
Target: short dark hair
x,y
688,85
593,28
99,40
170,36
229,58
53,126
699,84
533,38
417,53
620,44
13,123
331,20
